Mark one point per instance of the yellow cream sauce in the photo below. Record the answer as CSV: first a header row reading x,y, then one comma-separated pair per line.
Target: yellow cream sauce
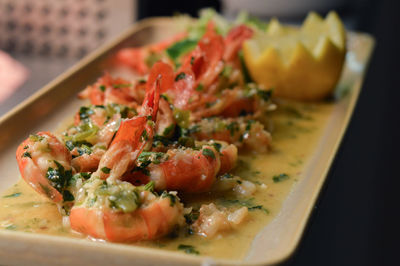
x,y
296,129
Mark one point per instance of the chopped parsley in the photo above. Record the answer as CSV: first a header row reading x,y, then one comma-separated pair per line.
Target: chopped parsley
x,y
280,178
67,196
191,217
13,195
168,130
200,87
180,76
36,138
246,203
265,94
105,170
102,88
171,197
188,249
226,176
217,146
11,227
145,136
179,48
26,154
208,152
85,112
147,157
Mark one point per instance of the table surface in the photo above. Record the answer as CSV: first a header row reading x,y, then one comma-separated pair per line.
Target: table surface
x,y
355,219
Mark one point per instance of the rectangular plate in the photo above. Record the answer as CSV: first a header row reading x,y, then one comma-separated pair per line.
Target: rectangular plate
x,y
45,109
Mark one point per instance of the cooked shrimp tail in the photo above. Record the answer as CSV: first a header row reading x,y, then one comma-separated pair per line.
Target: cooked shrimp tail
x,y
125,213
45,164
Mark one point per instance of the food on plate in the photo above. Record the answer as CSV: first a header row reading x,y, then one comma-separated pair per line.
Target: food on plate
x,y
300,63
177,149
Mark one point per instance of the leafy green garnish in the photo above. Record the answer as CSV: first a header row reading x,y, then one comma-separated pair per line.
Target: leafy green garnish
x,y
105,170
13,195
171,197
265,94
280,178
191,217
147,157
35,137
179,48
59,177
86,132
168,129
85,112
200,87
180,76
182,117
102,88
208,152
217,146
26,154
246,203
11,227
188,249
67,196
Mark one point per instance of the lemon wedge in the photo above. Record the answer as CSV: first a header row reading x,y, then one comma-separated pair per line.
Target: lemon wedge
x,y
300,63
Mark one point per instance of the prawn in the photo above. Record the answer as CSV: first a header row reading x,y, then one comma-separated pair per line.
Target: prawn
x,y
115,210
108,90
242,132
94,129
121,212
137,59
185,169
45,164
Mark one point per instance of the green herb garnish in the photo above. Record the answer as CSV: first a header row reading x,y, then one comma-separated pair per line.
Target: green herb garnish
x,y
105,170
180,76
188,249
14,195
208,152
280,178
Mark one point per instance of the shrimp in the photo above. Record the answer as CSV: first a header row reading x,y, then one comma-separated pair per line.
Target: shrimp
x,y
140,59
121,212
185,169
234,41
212,220
108,90
115,210
242,132
45,164
94,129
132,136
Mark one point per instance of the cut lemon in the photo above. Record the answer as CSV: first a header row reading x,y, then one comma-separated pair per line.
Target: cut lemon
x,y
299,63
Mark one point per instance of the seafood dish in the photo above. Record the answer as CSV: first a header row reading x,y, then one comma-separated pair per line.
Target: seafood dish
x,y
191,151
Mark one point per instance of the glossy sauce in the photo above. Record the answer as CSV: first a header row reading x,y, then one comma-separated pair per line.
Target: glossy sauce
x,y
296,129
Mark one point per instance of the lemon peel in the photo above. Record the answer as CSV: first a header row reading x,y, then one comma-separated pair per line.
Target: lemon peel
x,y
300,63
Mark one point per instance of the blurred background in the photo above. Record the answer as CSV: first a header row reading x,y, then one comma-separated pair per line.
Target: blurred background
x,y
356,219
